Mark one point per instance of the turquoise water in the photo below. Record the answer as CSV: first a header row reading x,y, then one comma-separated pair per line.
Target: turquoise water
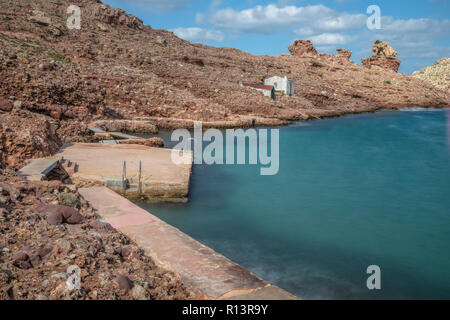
x,y
351,192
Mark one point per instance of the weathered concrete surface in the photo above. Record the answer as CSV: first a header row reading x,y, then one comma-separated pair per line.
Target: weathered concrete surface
x,y
210,273
102,164
37,169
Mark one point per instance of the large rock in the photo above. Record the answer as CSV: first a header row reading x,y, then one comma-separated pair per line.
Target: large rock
x,y
303,48
40,17
5,105
57,214
384,56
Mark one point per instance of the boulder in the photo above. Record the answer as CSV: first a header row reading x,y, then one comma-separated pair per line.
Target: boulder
x,y
57,214
5,105
102,227
40,17
124,283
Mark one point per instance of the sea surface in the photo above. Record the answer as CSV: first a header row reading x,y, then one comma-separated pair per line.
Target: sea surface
x,y
355,191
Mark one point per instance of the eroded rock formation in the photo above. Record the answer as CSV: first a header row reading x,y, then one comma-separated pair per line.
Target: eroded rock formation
x,y
383,56
303,48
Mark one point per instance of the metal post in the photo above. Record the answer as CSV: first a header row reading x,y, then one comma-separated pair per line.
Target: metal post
x,y
124,176
140,178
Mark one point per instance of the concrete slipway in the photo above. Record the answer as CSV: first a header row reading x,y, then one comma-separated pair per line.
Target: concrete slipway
x,y
210,274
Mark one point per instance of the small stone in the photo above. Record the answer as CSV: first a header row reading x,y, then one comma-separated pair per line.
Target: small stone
x,y
124,283
68,199
18,104
64,244
102,227
139,293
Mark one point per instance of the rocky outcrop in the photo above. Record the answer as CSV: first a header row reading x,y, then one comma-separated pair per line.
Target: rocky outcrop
x,y
303,48
383,56
344,54
155,142
42,18
112,16
438,74
130,126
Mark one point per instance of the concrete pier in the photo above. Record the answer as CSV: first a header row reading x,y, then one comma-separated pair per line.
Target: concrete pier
x,y
102,164
210,274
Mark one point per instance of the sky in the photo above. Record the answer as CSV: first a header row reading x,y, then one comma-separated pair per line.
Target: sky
x,y
419,30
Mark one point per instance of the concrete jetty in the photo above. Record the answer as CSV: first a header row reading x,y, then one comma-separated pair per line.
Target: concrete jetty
x,y
210,274
102,164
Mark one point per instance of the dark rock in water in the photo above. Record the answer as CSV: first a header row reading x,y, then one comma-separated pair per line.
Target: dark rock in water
x,y
124,283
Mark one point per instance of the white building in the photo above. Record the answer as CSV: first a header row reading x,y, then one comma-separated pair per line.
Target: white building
x,y
281,84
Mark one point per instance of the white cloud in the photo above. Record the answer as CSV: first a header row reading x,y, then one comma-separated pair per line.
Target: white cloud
x,y
264,19
199,34
330,39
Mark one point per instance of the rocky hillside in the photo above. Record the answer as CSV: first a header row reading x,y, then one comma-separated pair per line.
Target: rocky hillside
x,y
438,74
55,80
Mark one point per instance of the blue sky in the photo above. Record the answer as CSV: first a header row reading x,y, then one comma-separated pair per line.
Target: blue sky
x,y
419,30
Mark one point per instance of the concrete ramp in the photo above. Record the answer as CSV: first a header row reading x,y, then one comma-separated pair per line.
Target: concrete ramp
x,y
210,274
38,169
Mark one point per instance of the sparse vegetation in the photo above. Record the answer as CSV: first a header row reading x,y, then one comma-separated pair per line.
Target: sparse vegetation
x,y
59,57
387,82
378,41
